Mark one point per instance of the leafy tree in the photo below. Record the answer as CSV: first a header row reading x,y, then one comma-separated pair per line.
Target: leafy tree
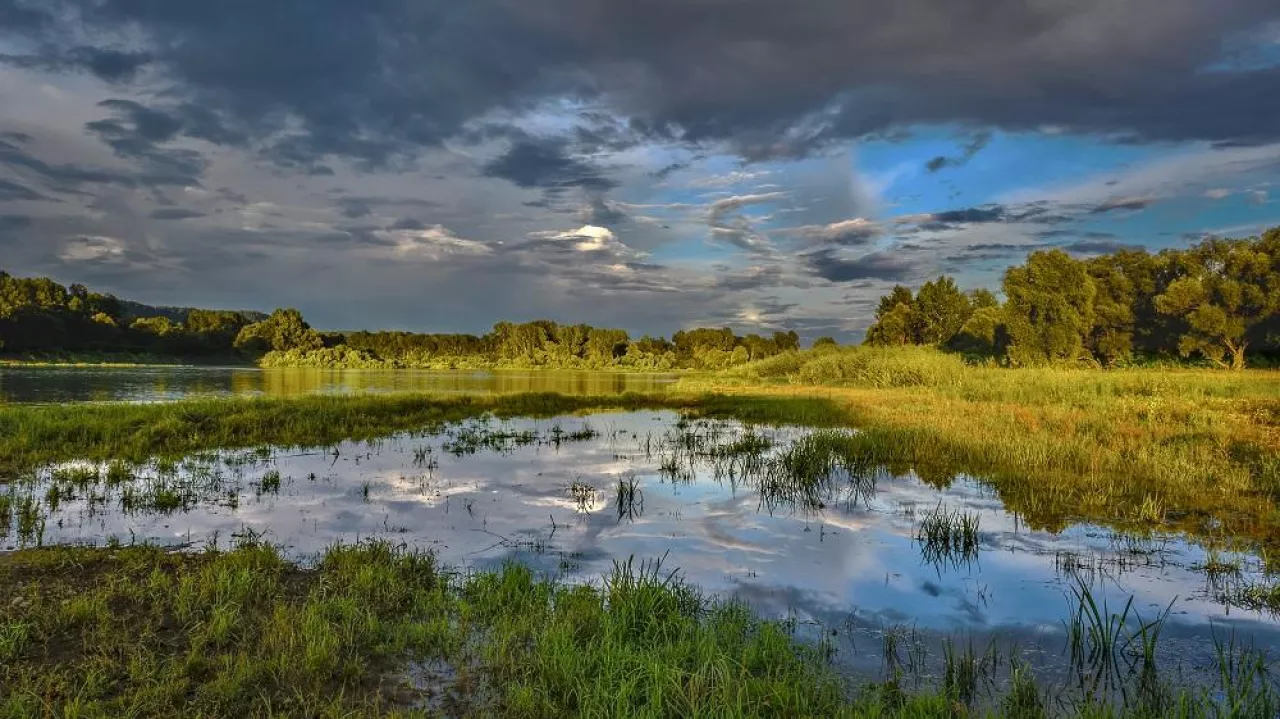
x,y
785,342
941,309
604,346
895,327
982,298
690,342
1049,310
899,295
284,330
757,346
158,326
895,319
1125,319
1226,288
825,342
983,333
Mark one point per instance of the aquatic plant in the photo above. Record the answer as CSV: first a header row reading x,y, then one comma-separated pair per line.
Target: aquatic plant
x,y
270,482
948,535
630,500
202,630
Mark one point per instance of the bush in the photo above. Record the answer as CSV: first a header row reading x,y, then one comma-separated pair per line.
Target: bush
x,y
883,367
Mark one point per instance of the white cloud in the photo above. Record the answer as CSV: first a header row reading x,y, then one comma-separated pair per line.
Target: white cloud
x,y
432,243
92,248
589,238
725,205
729,178
856,227
1197,171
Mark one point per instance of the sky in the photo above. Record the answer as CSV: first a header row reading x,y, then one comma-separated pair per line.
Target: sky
x,y
435,165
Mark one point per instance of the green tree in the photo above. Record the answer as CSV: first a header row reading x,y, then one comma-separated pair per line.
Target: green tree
x,y
284,330
1049,308
941,309
894,328
983,333
158,326
899,295
785,342
604,346
895,319
982,298
1226,288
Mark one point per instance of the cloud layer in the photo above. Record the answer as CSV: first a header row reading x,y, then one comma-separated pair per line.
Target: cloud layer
x,y
435,164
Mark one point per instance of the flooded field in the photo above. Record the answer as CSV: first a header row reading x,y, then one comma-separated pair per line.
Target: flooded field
x,y
886,571
164,384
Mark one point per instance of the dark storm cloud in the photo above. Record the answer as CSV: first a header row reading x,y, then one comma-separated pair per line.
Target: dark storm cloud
x,y
545,163
355,207
755,278
1122,203
1040,213
9,223
376,81
598,211
883,265
10,191
138,133
68,177
408,223
994,213
108,64
175,213
971,148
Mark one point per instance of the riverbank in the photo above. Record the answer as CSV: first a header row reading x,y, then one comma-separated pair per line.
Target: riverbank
x,y
117,359
373,630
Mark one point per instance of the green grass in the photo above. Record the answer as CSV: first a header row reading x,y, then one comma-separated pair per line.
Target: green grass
x,y
1148,448
1153,448
372,630
948,536
1261,595
34,435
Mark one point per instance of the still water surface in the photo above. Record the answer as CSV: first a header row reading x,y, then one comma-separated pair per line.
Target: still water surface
x,y
160,384
546,492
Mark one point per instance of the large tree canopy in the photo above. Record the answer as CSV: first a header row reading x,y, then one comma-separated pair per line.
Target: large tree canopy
x,y
1224,290
1218,300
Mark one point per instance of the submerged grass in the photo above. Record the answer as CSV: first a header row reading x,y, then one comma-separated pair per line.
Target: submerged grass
x,y
34,435
1175,449
948,536
375,630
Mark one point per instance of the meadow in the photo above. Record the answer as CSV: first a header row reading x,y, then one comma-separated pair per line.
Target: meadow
x,y
377,629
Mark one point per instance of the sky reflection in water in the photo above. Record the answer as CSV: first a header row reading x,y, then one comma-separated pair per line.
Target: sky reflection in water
x,y
850,564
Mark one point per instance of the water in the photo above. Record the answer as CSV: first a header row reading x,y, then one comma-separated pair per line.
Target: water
x,y
158,384
545,492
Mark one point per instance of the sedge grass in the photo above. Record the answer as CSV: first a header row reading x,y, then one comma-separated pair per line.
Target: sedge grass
x,y
141,632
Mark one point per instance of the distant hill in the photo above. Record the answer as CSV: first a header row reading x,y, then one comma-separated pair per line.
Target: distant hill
x,y
134,310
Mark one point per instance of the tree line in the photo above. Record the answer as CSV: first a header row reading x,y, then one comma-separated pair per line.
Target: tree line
x,y
1218,300
39,316
541,343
